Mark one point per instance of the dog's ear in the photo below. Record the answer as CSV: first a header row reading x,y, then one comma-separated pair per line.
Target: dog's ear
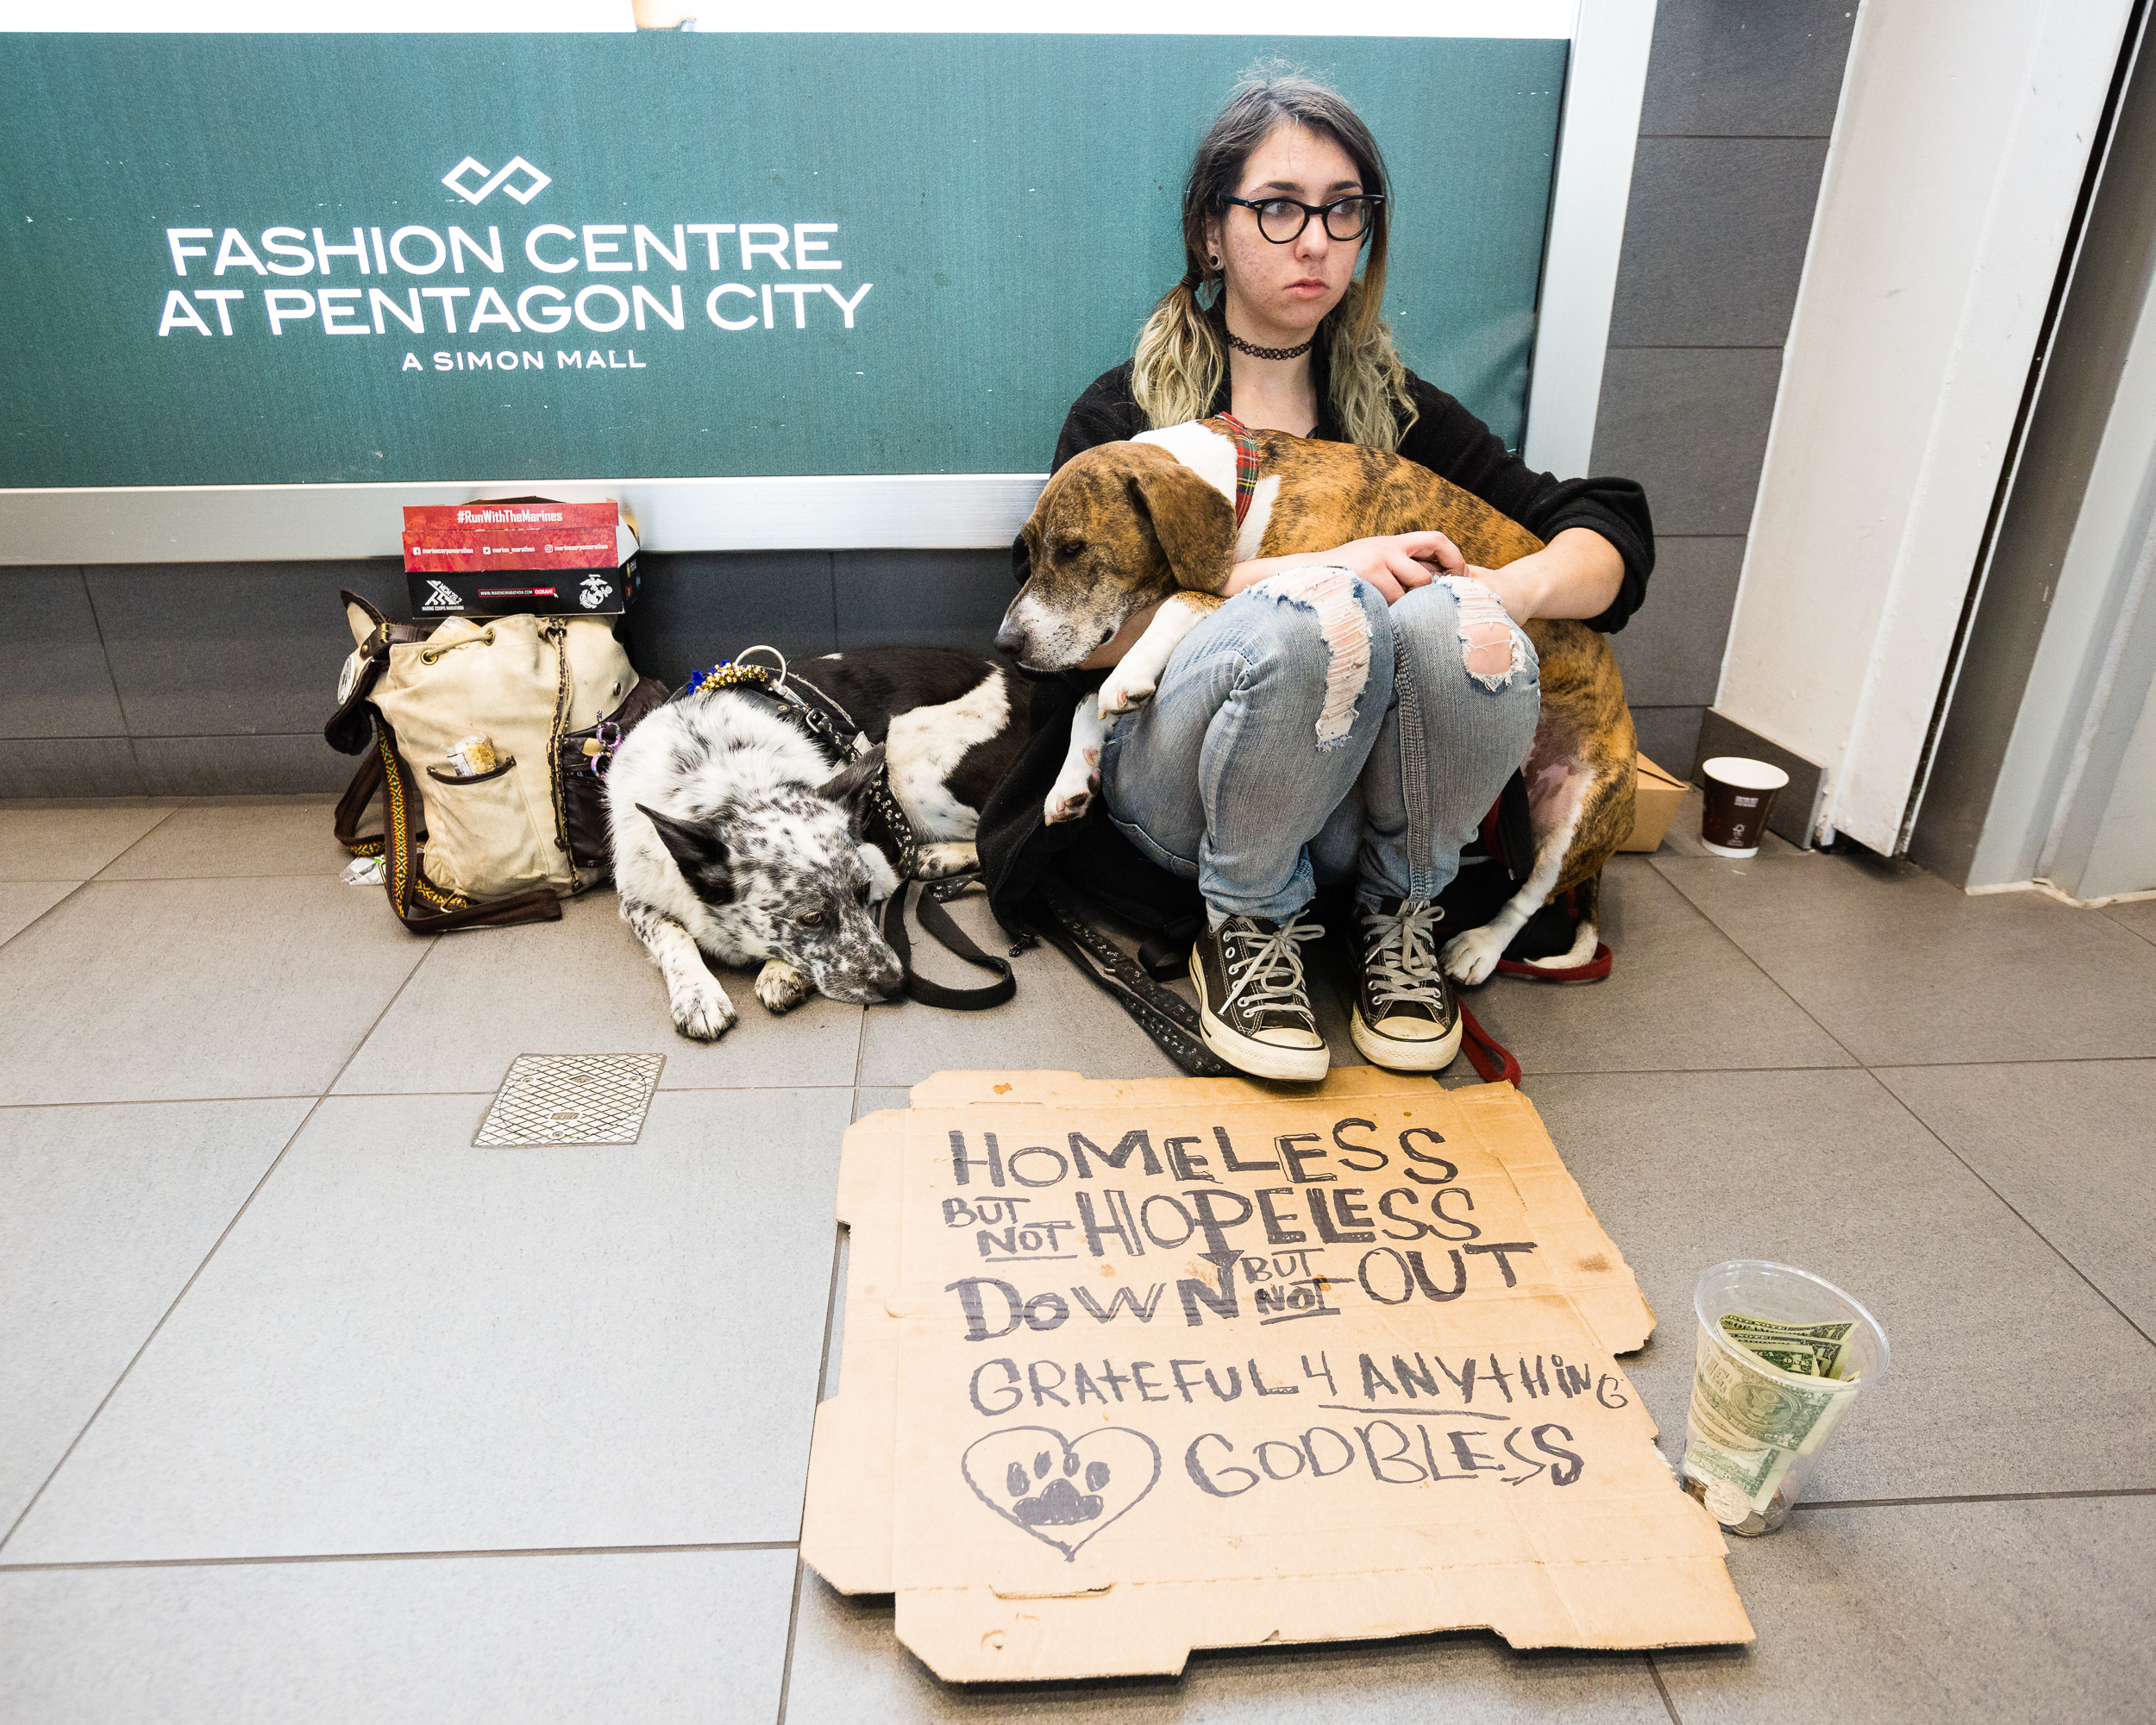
x,y
1022,552
1193,524
699,853
850,789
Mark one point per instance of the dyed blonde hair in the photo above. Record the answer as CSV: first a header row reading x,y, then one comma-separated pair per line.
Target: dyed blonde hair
x,y
1181,361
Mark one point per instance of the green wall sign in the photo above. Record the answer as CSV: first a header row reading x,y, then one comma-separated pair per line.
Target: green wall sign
x,y
234,260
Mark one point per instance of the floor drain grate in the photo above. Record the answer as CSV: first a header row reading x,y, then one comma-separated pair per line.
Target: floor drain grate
x,y
571,1099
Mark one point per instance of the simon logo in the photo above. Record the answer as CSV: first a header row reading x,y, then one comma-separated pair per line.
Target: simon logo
x,y
492,180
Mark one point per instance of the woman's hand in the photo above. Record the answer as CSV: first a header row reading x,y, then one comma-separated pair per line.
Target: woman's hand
x,y
1391,563
1577,574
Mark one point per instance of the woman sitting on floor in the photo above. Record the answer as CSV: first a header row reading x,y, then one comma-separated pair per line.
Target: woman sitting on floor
x,y
1218,778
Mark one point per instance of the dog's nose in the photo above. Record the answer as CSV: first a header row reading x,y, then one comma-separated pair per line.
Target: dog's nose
x,y
888,983
1010,641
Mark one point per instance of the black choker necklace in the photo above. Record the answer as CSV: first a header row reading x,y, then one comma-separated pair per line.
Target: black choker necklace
x,y
1256,352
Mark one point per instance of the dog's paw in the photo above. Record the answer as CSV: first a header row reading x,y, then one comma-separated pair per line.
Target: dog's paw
x,y
940,862
781,987
1126,691
1472,957
883,879
704,1014
1066,803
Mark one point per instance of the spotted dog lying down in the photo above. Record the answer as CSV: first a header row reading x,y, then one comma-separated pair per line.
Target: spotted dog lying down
x,y
736,839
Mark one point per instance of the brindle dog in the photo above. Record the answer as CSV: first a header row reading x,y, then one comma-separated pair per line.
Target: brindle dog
x,y
1151,522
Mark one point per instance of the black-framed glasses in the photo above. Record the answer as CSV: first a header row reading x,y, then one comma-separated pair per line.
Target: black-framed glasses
x,y
1281,219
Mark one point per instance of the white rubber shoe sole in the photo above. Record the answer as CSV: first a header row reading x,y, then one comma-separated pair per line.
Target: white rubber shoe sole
x,y
1247,1054
1396,1055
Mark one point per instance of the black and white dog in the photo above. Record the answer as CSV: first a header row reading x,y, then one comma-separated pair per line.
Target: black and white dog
x,y
734,840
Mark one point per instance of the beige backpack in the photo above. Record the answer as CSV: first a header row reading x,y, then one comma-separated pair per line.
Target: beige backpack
x,y
504,845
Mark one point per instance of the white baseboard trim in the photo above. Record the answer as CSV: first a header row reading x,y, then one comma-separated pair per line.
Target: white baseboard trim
x,y
306,523
2064,898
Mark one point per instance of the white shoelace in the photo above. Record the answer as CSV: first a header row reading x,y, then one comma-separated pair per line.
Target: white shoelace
x,y
1269,978
1404,956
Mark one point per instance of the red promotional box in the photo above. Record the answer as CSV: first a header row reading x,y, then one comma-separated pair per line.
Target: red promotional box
x,y
511,554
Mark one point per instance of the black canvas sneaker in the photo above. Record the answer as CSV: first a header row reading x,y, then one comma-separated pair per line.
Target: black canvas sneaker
x,y
1253,1005
1405,1016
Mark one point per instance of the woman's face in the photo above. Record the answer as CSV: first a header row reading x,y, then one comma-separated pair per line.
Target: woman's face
x,y
1284,291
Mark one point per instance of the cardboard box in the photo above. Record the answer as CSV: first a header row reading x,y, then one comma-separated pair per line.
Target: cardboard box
x,y
1656,796
1137,1367
521,554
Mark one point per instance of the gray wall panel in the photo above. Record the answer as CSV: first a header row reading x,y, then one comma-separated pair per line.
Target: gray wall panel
x,y
242,766
1690,425
1740,102
1714,241
1671,651
219,650
70,767
1749,68
1669,737
936,599
695,608
52,677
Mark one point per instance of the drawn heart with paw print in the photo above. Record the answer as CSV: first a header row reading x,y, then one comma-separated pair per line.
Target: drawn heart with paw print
x,y
1060,1491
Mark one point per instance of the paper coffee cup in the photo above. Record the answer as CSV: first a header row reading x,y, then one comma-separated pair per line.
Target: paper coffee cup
x,y
1740,798
1754,1430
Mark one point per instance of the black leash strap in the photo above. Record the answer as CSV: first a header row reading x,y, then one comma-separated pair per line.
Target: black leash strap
x,y
1165,1016
938,921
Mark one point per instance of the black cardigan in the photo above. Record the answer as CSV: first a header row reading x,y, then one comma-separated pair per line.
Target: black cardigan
x,y
1454,445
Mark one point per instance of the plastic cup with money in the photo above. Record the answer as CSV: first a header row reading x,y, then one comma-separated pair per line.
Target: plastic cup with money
x,y
1783,1357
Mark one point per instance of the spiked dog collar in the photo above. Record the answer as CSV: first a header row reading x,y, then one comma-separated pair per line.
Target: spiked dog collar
x,y
830,727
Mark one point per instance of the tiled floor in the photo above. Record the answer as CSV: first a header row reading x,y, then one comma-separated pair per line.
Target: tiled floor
x,y
309,1409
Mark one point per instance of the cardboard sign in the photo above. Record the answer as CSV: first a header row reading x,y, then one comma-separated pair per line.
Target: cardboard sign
x,y
1132,1368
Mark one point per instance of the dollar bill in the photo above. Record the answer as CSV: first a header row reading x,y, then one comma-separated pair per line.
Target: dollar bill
x,y
1762,1410
1746,1426
1733,1323
1808,1350
1806,1359
1748,1469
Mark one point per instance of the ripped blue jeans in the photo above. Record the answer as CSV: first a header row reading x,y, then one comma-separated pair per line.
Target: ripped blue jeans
x,y
1307,732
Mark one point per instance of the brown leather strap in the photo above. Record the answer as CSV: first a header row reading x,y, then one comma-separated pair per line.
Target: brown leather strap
x,y
347,730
